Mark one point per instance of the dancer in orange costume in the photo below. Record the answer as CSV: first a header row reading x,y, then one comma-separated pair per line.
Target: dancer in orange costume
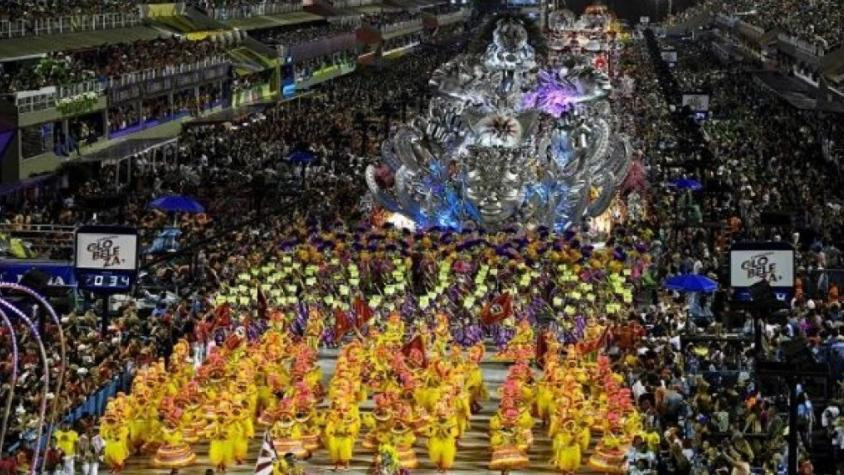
x,y
378,422
285,434
308,421
507,440
174,452
401,436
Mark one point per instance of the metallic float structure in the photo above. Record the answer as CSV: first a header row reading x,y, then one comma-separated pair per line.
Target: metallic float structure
x,y
511,137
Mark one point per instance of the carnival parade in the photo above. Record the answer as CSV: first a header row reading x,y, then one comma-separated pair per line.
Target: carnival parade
x,y
419,237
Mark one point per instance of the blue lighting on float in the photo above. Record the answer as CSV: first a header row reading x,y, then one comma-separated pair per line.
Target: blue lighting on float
x,y
561,149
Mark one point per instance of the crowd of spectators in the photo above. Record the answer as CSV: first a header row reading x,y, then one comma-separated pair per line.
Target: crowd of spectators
x,y
108,61
817,22
14,10
382,19
304,34
308,68
186,101
230,168
765,178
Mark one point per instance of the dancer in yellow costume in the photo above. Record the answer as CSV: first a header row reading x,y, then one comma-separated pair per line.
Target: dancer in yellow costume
x,y
401,436
546,390
521,346
220,451
442,437
138,425
475,378
341,430
434,389
378,422
507,441
285,432
238,432
566,447
174,452
115,433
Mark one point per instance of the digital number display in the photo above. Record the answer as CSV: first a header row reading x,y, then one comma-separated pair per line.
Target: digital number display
x,y
94,280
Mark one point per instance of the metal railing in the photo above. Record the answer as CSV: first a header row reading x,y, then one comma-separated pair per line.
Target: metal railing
x,y
402,25
447,18
40,101
34,101
248,11
149,74
68,24
350,21
805,46
750,29
350,3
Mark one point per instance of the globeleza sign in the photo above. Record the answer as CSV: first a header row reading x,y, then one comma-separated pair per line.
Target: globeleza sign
x,y
753,262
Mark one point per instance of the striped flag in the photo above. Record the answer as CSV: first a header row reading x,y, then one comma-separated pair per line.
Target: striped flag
x,y
267,457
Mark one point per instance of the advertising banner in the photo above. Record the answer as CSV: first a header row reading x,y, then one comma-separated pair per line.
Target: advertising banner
x,y
669,56
59,273
751,263
697,102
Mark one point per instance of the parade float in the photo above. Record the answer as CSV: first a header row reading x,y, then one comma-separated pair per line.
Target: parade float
x,y
511,137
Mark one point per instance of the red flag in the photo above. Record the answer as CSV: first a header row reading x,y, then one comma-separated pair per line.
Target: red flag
x,y
232,341
414,349
541,348
262,304
342,324
362,311
500,308
223,316
600,342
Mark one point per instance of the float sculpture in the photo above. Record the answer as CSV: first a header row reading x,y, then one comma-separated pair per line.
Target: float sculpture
x,y
508,139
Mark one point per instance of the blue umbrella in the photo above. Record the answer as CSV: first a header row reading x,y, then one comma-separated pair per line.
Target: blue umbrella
x,y
176,203
686,184
301,156
691,283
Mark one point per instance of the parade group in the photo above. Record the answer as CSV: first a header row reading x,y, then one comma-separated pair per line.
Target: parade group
x,y
389,300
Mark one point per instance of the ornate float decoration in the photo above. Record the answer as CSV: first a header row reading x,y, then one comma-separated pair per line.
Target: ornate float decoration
x,y
508,139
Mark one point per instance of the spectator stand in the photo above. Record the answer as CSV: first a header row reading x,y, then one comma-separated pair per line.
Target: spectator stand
x,y
775,48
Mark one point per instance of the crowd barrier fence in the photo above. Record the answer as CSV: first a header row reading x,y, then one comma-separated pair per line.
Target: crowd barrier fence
x,y
68,24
